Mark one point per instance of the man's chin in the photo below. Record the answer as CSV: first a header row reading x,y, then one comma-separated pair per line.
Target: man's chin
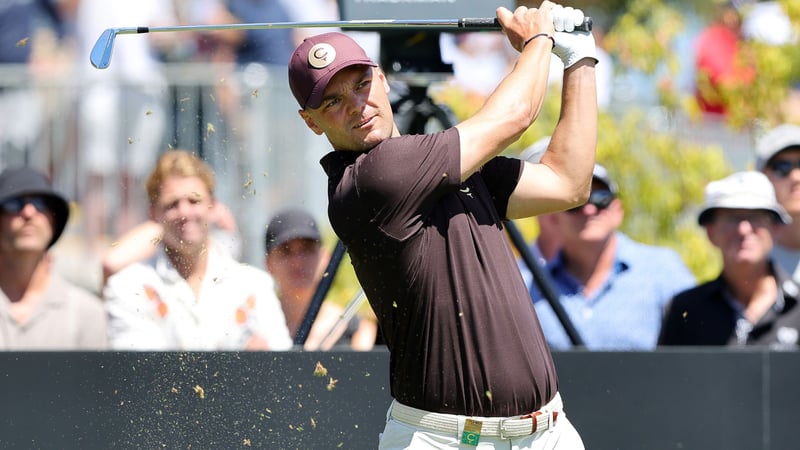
x,y
188,242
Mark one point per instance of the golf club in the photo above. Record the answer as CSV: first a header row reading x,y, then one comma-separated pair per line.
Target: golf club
x,y
100,56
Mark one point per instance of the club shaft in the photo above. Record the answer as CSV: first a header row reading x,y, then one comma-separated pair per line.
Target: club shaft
x,y
100,56
475,24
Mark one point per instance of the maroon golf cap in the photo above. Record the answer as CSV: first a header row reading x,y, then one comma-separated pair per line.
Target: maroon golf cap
x,y
317,60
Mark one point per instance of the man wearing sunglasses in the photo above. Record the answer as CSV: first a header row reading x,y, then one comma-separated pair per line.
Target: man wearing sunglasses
x,y
778,156
39,310
613,289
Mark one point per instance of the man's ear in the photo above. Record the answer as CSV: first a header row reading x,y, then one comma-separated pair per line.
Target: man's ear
x,y
151,211
269,264
711,235
618,211
382,77
310,122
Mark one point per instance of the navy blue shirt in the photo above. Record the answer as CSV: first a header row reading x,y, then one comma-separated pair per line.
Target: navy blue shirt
x,y
19,20
709,315
273,46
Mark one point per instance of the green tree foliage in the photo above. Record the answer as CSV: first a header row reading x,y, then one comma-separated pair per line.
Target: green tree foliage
x,y
661,173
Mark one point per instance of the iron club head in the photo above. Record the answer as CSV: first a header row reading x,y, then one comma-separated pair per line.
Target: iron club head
x,y
100,57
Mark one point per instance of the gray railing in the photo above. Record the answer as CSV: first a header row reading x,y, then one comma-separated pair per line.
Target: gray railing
x,y
244,122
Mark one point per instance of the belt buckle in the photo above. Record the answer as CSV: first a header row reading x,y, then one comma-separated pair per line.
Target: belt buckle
x,y
501,427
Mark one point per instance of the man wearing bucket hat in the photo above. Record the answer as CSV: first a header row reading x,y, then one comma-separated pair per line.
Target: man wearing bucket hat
x,y
39,310
422,219
753,301
778,155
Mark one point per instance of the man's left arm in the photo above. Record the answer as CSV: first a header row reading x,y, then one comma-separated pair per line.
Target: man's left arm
x,y
562,180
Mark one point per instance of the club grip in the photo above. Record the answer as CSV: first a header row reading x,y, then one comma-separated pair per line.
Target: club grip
x,y
494,24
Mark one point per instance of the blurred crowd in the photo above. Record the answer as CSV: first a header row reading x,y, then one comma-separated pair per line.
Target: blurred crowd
x,y
140,285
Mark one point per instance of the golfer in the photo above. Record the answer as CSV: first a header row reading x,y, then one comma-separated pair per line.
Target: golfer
x,y
422,218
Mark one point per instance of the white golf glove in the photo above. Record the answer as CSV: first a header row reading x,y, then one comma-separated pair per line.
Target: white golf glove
x,y
571,46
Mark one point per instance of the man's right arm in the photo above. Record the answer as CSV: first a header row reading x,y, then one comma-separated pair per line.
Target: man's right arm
x,y
516,102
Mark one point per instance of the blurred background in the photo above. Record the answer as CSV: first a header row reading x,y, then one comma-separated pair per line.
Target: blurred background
x,y
670,120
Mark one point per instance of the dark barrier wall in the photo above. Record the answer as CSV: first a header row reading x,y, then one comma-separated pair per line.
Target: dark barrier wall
x,y
689,399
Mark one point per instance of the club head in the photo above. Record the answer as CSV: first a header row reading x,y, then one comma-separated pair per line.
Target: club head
x,y
100,57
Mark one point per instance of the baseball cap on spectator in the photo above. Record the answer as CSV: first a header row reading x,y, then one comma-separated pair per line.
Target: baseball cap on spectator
x,y
24,181
290,224
316,60
775,141
742,190
600,173
534,152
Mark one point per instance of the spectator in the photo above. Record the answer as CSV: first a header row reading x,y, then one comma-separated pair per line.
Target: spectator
x,y
31,35
718,62
421,217
613,289
191,295
295,259
778,155
39,310
122,113
256,46
768,22
480,60
141,242
312,11
753,301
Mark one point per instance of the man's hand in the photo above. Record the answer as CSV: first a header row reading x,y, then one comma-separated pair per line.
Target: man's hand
x,y
571,46
257,343
526,22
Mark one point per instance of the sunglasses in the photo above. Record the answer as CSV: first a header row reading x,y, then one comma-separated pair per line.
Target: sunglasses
x,y
783,167
17,204
601,200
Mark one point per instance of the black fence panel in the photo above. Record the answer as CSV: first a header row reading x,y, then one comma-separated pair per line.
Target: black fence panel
x,y
669,399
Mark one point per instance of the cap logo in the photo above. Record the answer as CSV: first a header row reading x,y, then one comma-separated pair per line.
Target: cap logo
x,y
321,55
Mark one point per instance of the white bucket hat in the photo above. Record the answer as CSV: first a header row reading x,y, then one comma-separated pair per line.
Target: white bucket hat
x,y
742,190
775,141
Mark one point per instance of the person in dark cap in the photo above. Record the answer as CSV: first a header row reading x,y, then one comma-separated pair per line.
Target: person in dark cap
x,y
778,157
40,310
295,259
753,301
422,219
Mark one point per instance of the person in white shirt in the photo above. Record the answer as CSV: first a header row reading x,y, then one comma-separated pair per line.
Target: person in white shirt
x,y
192,295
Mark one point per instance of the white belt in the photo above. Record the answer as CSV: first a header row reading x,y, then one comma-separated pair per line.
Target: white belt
x,y
503,427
